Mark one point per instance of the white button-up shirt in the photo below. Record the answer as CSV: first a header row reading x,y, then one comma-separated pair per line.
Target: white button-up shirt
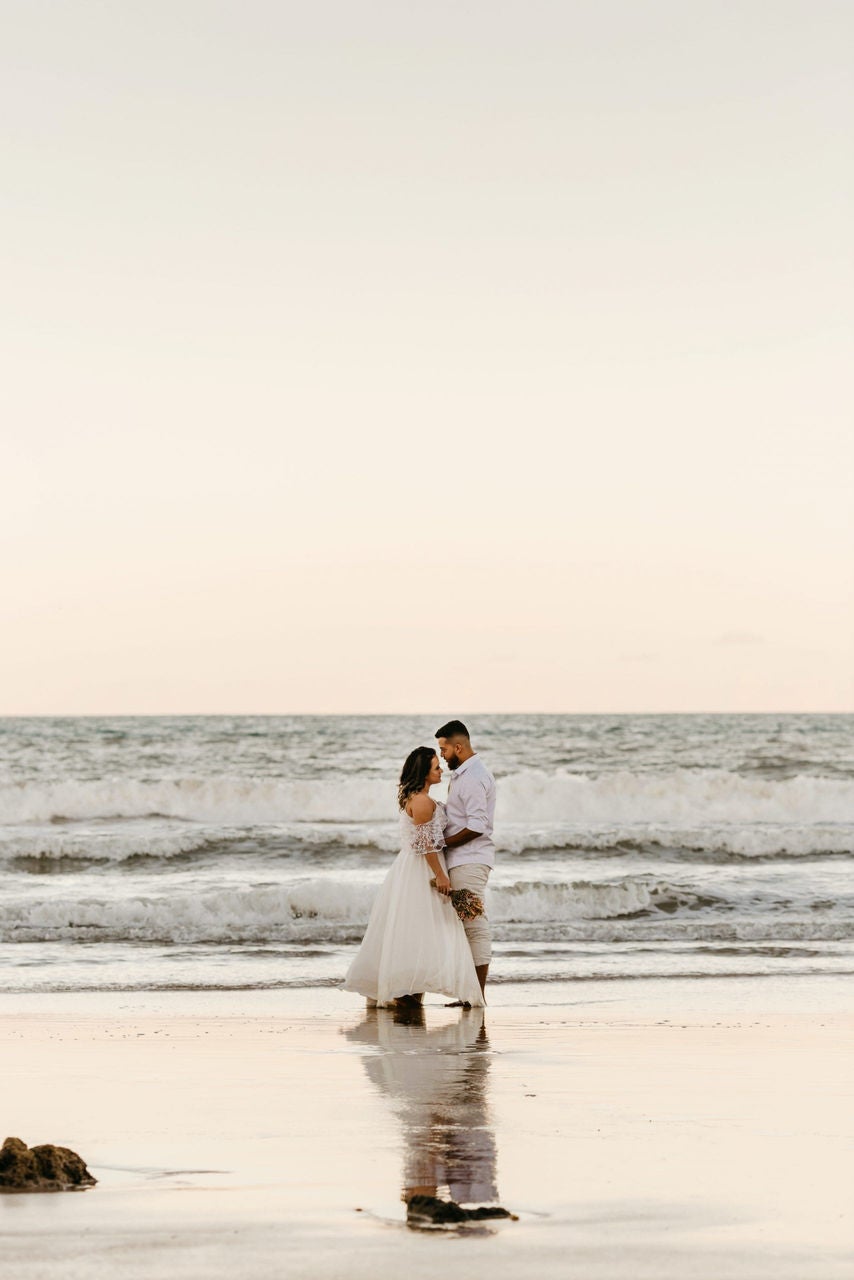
x,y
471,803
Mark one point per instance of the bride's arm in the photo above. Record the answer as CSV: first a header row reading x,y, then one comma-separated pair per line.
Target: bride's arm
x,y
422,811
443,884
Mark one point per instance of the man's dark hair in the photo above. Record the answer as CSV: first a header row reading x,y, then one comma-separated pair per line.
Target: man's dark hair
x,y
453,729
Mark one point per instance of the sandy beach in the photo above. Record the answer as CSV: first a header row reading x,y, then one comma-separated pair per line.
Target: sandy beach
x,y
664,1129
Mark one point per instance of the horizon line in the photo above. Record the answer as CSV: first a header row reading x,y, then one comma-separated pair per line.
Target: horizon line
x,y
377,715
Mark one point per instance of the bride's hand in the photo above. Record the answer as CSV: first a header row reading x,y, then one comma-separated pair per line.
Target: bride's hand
x,y
443,885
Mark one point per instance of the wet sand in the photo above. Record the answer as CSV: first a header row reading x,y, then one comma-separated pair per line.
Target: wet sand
x,y
650,1129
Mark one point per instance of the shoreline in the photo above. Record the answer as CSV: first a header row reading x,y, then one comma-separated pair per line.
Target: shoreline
x,y
496,984
646,1128
785,990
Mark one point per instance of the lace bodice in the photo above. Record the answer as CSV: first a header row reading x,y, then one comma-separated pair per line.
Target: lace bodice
x,y
425,837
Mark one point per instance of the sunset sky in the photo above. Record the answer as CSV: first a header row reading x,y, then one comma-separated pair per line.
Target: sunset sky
x,y
374,357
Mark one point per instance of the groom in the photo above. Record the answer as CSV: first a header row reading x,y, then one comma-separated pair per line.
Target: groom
x,y
469,851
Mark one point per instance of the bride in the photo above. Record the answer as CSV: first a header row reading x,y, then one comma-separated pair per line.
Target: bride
x,y
415,941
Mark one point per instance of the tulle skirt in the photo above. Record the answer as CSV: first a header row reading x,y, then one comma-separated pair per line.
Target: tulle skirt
x,y
414,942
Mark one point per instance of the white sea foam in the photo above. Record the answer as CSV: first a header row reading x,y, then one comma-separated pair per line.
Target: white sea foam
x,y
224,800
760,840
688,798
125,841
218,915
332,906
543,901
757,840
105,846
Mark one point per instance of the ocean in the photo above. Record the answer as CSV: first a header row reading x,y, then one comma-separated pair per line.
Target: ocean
x,y
243,852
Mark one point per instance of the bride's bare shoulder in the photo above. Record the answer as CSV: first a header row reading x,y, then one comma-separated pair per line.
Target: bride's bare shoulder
x,y
420,808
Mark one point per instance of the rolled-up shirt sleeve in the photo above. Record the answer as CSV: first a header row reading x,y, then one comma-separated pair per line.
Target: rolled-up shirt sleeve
x,y
474,800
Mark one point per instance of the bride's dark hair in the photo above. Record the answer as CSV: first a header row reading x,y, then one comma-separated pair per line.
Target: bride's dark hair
x,y
414,773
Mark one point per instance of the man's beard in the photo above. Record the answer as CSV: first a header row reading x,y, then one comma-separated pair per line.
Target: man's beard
x,y
453,763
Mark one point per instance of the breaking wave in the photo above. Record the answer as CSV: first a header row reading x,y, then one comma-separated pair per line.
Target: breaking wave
x,y
686,798
326,909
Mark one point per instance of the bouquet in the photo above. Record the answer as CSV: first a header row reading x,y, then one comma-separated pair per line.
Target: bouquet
x,y
465,902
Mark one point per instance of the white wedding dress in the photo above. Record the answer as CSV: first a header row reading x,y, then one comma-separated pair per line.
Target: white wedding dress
x,y
415,941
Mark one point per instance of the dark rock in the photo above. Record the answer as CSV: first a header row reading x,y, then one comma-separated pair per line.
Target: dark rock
x,y
429,1209
43,1168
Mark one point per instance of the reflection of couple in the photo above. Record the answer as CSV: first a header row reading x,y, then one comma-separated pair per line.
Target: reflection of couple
x,y
436,1081
415,941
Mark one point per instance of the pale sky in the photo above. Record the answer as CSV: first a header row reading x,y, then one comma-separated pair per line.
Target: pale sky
x,y
378,357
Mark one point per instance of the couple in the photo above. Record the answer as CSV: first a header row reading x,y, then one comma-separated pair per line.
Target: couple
x,y
415,941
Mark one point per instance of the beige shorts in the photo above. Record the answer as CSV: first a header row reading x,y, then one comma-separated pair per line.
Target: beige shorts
x,y
474,876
